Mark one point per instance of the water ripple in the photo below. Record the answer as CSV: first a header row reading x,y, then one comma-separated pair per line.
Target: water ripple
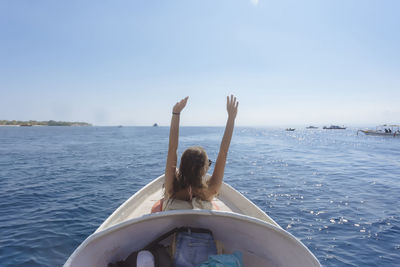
x,y
335,191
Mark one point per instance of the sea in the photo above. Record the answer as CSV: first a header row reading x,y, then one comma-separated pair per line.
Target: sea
x,y
335,190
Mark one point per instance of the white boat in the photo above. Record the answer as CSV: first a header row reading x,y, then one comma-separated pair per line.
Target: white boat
x,y
238,224
383,130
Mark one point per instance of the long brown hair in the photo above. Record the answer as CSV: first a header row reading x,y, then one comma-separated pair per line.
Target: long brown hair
x,y
193,167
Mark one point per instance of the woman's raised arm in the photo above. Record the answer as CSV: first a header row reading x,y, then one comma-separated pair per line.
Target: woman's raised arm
x,y
170,168
215,182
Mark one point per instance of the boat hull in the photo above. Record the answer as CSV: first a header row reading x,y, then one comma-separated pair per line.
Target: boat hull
x,y
334,128
376,133
261,243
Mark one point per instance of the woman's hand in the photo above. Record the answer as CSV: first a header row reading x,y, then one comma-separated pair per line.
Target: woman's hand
x,y
232,106
179,106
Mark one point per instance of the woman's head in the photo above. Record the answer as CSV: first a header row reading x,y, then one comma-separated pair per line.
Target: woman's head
x,y
194,165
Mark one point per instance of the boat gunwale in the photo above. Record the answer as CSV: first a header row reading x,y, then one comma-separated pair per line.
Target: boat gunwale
x,y
126,202
267,219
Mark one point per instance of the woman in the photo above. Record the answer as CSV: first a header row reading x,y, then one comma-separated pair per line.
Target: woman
x,y
185,187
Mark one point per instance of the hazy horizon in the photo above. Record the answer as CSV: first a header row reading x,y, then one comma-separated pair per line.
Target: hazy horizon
x,y
296,126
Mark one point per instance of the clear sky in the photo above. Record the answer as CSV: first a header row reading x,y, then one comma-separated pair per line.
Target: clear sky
x,y
127,62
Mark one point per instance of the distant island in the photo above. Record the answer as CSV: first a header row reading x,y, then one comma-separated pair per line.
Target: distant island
x,y
42,123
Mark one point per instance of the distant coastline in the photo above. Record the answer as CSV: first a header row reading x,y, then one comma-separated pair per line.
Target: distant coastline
x,y
42,123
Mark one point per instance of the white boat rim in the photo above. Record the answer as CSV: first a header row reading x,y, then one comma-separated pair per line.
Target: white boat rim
x,y
177,213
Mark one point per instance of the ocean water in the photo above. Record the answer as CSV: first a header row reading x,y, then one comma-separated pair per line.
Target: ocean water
x,y
335,191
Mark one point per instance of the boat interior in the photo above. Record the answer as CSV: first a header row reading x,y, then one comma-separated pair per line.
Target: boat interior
x,y
139,204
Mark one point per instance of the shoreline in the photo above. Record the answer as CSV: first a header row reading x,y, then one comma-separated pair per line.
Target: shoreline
x,y
30,123
45,125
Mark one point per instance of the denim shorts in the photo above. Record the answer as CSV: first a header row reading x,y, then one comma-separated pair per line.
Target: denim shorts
x,y
193,248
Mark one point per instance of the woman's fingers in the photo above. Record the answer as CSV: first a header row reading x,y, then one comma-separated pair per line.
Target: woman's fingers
x,y
180,105
232,105
183,102
231,101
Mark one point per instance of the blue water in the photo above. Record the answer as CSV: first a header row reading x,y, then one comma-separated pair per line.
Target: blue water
x,y
337,192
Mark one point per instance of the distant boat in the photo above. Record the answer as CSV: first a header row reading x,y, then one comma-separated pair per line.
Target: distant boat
x,y
25,125
334,127
155,125
383,130
290,129
311,127
119,126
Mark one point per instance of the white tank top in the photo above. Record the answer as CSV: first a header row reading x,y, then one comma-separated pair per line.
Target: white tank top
x,y
195,203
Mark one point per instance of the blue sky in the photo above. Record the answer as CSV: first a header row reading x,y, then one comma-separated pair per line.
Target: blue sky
x,y
128,62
